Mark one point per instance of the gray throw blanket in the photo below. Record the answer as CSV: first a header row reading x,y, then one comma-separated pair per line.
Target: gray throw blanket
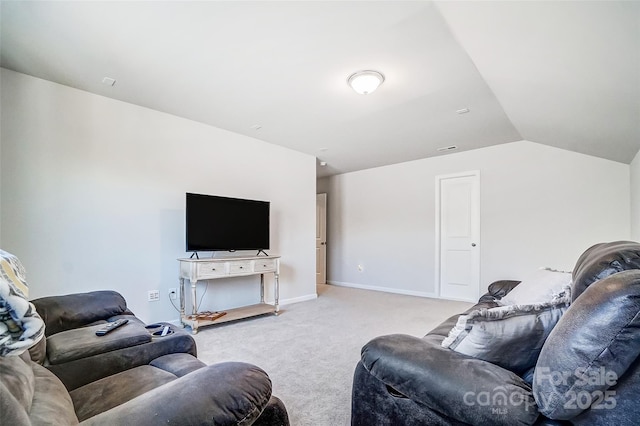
x,y
20,325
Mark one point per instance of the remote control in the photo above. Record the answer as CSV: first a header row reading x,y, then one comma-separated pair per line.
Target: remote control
x,y
111,326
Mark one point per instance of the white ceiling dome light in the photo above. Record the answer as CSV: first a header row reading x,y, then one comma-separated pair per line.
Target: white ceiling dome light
x,y
365,82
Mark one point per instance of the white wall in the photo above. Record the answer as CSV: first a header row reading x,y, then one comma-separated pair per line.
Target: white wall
x,y
93,194
540,206
635,198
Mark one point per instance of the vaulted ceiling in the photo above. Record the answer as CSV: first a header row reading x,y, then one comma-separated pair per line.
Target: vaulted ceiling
x,y
565,74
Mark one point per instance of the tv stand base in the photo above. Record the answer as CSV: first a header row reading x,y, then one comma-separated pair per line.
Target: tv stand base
x,y
196,270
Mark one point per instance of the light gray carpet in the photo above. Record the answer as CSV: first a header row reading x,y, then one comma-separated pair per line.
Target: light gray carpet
x,y
311,349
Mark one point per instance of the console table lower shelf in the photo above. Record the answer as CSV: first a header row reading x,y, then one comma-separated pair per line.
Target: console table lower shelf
x,y
229,315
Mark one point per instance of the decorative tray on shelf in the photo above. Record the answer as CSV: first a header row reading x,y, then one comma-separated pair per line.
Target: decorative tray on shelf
x,y
206,315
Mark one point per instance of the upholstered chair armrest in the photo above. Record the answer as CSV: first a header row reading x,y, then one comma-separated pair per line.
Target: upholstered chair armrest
x,y
61,313
458,386
231,393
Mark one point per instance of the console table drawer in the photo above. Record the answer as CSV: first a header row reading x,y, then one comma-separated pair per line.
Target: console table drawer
x,y
211,269
264,265
240,267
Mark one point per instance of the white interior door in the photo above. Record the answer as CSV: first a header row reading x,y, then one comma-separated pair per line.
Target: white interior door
x,y
458,225
321,238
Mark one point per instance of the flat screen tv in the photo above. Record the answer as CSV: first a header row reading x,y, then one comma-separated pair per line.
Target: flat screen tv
x,y
216,223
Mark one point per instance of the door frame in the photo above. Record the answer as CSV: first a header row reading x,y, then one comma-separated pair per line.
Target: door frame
x,y
322,198
438,221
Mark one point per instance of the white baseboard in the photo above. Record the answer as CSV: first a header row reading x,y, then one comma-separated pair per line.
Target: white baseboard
x,y
385,289
296,299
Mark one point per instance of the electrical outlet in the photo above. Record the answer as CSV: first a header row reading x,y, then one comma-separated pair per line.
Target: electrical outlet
x,y
153,295
173,293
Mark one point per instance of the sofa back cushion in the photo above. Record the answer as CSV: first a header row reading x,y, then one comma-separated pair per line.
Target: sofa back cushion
x,y
30,394
62,313
601,260
590,349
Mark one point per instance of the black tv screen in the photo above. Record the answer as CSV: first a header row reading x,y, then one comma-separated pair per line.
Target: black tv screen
x,y
216,223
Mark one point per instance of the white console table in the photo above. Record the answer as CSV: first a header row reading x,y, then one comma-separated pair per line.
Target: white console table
x,y
196,270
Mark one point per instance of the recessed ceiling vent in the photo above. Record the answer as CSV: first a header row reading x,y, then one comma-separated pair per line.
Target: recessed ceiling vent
x,y
447,148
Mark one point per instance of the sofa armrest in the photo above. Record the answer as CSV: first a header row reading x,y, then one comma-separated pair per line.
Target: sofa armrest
x,y
85,370
229,393
61,313
498,289
458,386
82,342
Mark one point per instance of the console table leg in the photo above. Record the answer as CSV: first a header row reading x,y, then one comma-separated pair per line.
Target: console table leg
x,y
261,288
194,298
182,302
277,291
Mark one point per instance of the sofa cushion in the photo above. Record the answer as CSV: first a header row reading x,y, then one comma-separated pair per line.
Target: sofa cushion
x,y
17,383
30,394
112,391
51,402
228,393
508,336
70,311
601,260
625,396
178,364
82,342
591,347
459,387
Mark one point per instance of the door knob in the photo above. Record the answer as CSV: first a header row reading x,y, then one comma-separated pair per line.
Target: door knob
x,y
473,244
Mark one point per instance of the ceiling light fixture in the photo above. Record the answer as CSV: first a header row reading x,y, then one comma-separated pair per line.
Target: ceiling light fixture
x,y
365,82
